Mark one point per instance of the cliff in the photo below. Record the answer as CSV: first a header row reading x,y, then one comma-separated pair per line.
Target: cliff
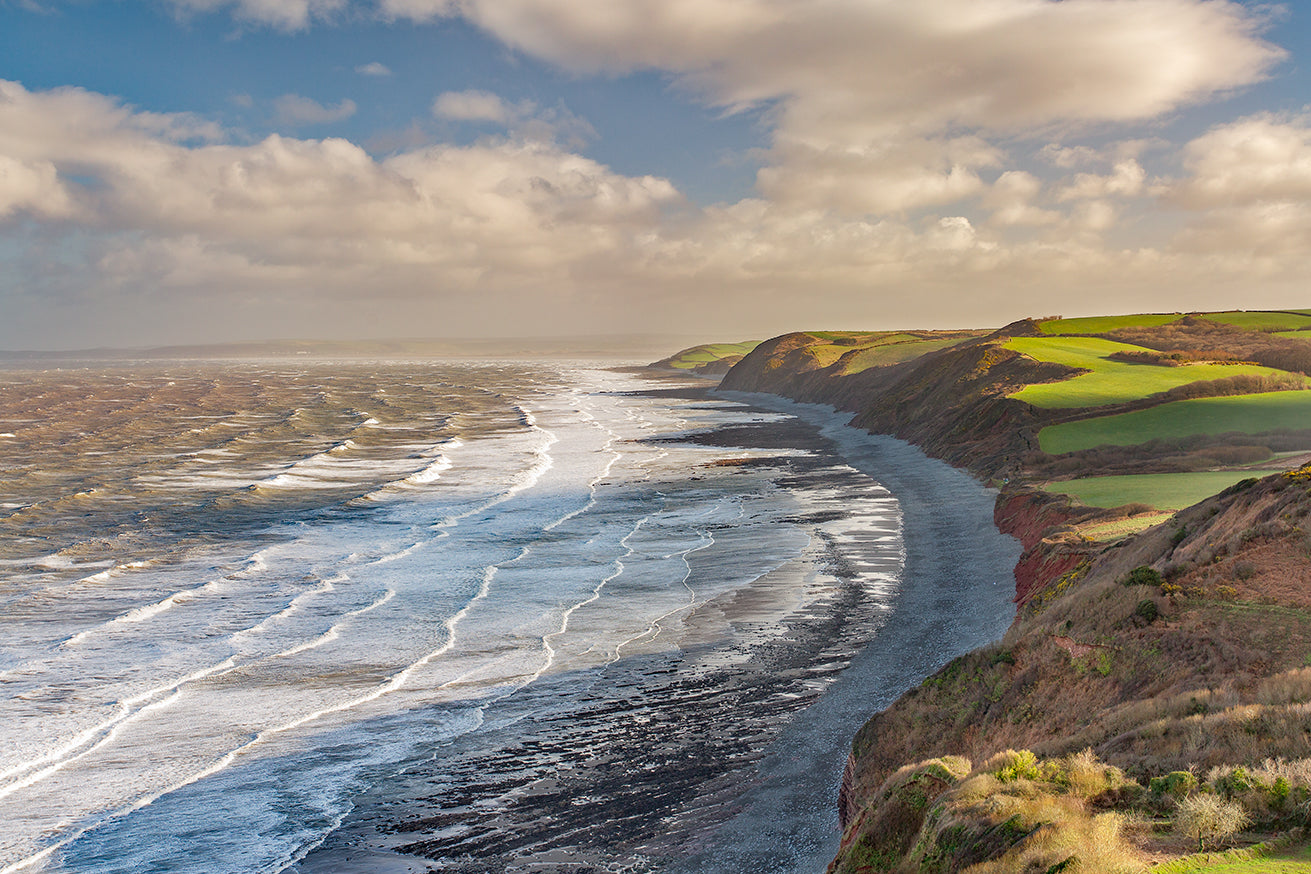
x,y
1178,650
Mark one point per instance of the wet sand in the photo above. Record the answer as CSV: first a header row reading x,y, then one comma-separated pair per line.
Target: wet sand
x,y
725,756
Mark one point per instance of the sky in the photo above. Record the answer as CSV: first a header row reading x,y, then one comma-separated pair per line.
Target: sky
x,y
187,171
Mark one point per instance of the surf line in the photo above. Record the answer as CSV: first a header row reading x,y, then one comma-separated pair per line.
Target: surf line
x,y
525,481
615,455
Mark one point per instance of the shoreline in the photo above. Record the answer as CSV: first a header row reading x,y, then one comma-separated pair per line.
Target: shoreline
x,y
956,562
774,805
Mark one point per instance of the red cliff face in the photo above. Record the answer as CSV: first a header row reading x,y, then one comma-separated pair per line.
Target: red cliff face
x,y
1040,521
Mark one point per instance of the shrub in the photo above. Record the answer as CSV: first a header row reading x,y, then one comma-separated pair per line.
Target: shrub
x,y
1209,817
1087,777
1011,765
1142,576
1147,611
1236,782
1176,784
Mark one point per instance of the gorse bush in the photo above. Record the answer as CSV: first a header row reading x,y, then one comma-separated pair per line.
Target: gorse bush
x,y
1143,576
1010,765
1176,784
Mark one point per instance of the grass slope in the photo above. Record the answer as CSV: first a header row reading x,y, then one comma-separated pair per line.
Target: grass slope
x,y
1110,382
1164,491
1262,321
1102,324
892,353
1246,414
697,356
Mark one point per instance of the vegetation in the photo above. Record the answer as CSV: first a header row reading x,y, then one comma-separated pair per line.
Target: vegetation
x,y
1209,818
1262,321
1110,381
1103,324
1245,414
1163,491
882,354
1151,693
700,355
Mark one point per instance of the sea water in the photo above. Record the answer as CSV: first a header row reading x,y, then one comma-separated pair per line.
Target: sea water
x,y
259,616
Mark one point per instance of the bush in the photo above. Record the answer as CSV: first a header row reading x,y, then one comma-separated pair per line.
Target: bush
x,y
1147,611
1142,576
1236,782
1011,765
1176,784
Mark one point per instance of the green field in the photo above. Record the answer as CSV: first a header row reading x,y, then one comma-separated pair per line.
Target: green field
x,y
1164,491
893,353
860,338
1102,324
1261,321
1110,382
699,355
1247,414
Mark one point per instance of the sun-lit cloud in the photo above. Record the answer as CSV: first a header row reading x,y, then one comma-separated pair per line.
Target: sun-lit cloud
x,y
1126,179
1261,159
1248,186
922,161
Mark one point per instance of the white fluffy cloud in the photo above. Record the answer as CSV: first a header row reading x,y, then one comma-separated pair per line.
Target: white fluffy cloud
x,y
1262,159
889,191
870,99
1248,184
32,187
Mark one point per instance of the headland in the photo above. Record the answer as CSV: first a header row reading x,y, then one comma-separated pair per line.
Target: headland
x,y
1153,695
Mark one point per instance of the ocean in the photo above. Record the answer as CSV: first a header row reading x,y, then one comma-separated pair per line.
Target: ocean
x,y
328,616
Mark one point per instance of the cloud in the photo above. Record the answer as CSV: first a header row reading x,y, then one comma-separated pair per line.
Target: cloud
x,y
281,14
294,110
373,68
417,10
1248,187
987,63
1012,199
166,214
1260,159
32,187
1126,179
523,119
475,106
887,177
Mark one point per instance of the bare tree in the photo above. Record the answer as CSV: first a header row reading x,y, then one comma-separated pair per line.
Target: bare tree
x,y
1210,818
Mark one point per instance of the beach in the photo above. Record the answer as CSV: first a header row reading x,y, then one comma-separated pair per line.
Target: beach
x,y
333,616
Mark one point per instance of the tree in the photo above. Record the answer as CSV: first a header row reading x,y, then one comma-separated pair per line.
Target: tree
x,y
1210,818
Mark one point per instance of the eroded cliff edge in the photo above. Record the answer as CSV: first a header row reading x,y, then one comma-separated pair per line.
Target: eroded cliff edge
x,y
1182,649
